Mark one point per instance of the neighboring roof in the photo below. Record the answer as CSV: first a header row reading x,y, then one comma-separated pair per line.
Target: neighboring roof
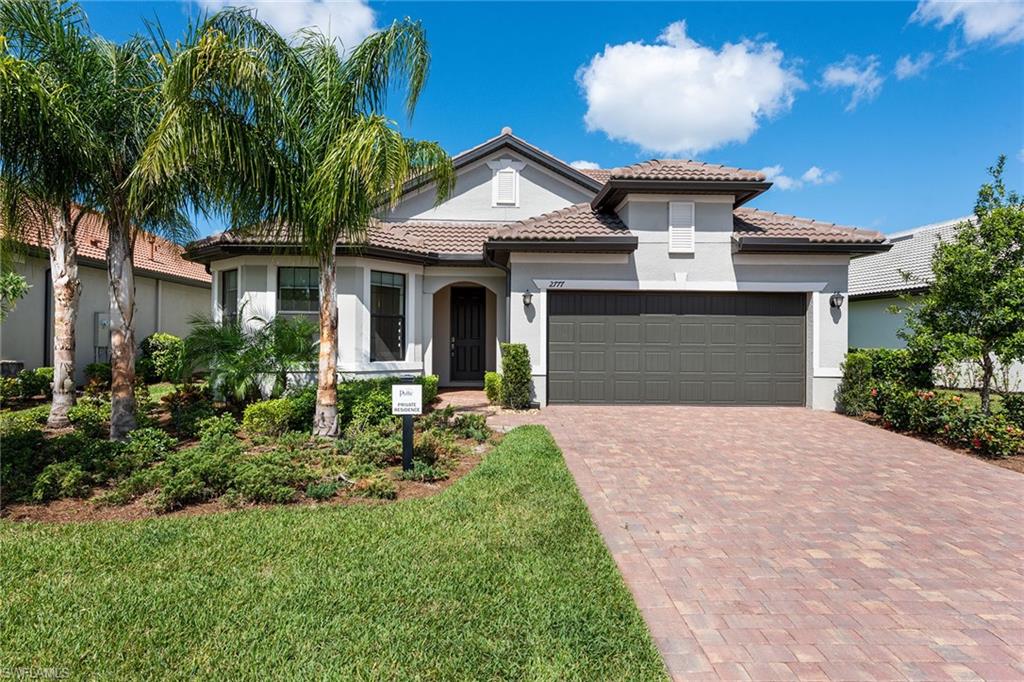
x,y
599,174
683,169
153,256
911,253
507,140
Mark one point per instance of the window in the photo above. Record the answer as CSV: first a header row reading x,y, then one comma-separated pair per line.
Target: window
x,y
229,295
298,290
680,227
387,316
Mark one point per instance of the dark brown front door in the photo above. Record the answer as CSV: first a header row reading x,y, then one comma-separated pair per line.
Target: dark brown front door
x,y
467,342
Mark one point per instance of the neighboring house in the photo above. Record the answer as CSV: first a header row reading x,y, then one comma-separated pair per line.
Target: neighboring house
x,y
650,283
169,290
894,280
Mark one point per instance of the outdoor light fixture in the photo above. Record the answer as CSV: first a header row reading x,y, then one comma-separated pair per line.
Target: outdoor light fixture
x,y
836,300
527,298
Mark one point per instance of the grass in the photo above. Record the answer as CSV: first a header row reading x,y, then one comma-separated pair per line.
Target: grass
x,y
501,576
158,391
972,397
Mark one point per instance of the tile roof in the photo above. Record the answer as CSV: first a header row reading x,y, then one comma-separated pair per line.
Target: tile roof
x,y
911,253
599,174
152,255
579,220
752,222
685,170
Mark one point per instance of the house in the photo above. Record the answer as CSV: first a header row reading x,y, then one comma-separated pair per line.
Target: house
x,y
883,282
649,283
169,290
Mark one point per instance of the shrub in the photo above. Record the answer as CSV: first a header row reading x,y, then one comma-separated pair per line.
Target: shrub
x,y
188,406
471,425
430,384
372,408
372,445
430,446
438,419
516,375
23,457
324,490
33,382
145,446
957,420
268,417
60,480
900,365
10,388
492,387
90,416
996,437
303,408
98,376
853,397
201,472
269,477
378,486
1013,408
213,430
163,355
424,473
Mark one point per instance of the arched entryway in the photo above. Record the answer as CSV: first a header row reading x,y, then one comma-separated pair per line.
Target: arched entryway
x,y
467,321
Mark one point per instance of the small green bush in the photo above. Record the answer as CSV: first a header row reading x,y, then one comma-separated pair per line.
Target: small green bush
x,y
22,457
269,477
516,374
36,382
898,365
430,384
1013,408
188,406
379,486
997,437
213,430
98,376
471,425
372,408
424,473
438,419
91,416
324,490
268,417
492,387
163,355
144,447
373,446
10,388
60,480
430,446
303,408
853,397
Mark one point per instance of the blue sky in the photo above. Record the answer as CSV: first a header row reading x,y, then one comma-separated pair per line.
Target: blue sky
x,y
809,91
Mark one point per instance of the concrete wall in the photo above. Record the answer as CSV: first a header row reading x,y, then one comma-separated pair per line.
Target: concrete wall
x,y
873,326
159,306
540,191
713,267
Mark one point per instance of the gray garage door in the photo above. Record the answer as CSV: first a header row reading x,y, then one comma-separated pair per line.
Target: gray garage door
x,y
676,347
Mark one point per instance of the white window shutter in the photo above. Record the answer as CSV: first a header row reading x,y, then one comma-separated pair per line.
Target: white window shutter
x,y
681,227
505,187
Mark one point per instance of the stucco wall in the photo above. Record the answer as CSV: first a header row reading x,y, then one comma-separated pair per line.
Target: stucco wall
x,y
713,267
539,192
22,335
873,326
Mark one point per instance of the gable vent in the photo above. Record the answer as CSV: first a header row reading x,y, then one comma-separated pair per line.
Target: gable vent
x,y
681,227
505,187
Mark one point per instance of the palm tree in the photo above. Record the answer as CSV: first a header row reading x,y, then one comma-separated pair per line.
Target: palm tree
x,y
292,141
95,104
44,147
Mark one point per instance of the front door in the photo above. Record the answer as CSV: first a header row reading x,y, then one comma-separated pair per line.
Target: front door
x,y
467,342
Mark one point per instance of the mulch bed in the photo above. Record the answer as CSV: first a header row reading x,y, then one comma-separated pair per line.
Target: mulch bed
x,y
1013,462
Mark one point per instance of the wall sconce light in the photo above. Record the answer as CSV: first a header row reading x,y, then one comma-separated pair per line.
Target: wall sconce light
x,y
527,298
836,300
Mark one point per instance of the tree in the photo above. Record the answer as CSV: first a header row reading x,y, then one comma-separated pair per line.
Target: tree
x,y
44,147
291,142
973,311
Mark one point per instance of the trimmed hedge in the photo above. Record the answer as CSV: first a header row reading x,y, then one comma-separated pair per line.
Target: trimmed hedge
x,y
161,358
492,387
516,373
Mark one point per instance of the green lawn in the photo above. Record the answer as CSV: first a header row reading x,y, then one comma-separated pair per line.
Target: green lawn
x,y
501,576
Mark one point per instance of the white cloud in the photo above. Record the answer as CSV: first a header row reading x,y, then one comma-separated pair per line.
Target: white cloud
x,y
812,176
1002,22
677,96
908,67
860,74
585,165
347,20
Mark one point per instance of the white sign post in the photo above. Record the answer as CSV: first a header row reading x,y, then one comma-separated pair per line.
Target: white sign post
x,y
407,401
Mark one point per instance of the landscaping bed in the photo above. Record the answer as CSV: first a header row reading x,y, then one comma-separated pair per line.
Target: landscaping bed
x,y
502,576
192,455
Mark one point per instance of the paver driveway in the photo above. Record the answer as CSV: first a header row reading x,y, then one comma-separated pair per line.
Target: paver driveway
x,y
775,543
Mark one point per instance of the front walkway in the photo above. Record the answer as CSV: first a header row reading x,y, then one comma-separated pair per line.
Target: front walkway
x,y
781,543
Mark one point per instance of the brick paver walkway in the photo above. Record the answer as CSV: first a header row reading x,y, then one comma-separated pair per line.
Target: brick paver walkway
x,y
774,543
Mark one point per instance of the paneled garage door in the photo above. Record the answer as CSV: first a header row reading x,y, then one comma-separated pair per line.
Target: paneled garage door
x,y
676,347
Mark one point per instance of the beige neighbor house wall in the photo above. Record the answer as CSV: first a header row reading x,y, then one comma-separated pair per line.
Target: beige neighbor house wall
x,y
160,305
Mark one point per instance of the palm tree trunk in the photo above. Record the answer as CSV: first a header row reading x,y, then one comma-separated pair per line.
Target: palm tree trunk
x,y
66,290
325,421
121,274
